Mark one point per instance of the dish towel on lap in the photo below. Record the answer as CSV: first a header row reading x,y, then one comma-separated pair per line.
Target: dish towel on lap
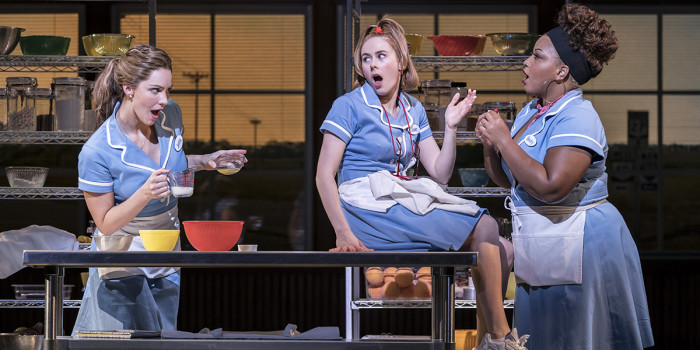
x,y
381,190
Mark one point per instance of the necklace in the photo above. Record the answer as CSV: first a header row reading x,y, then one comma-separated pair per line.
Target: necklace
x,y
146,137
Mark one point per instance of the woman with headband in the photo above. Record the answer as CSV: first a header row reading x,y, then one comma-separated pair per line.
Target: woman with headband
x,y
580,284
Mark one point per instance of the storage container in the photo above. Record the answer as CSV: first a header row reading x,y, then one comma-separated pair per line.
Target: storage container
x,y
21,103
44,109
69,95
38,291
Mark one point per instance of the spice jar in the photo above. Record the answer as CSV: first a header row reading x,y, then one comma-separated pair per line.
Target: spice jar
x,y
44,117
69,95
21,103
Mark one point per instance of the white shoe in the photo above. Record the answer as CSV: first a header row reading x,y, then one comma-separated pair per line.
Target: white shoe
x,y
509,342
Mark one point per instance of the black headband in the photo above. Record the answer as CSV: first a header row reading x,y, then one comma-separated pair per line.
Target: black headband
x,y
578,65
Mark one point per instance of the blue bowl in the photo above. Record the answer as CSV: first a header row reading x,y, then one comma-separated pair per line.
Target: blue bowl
x,y
473,177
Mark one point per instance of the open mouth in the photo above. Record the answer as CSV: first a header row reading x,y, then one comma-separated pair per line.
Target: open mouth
x,y
154,113
378,80
526,76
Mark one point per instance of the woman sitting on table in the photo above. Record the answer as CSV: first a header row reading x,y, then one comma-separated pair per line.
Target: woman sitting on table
x,y
580,282
123,171
372,136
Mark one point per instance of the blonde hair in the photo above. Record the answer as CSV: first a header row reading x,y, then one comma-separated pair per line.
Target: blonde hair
x,y
130,69
394,34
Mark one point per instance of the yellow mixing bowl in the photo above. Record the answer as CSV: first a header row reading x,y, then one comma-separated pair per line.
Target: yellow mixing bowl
x,y
159,240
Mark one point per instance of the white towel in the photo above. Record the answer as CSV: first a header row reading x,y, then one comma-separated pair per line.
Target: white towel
x,y
14,243
382,190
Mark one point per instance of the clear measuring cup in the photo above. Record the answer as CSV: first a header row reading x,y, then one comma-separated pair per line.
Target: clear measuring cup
x,y
181,182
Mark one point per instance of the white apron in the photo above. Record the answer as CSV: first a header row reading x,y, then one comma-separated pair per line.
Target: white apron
x,y
548,243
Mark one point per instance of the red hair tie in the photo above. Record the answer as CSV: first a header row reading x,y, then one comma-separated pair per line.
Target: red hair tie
x,y
378,30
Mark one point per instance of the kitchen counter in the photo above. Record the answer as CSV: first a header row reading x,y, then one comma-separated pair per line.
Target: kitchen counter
x,y
55,263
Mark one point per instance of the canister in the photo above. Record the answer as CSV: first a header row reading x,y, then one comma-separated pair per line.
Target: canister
x,y
69,97
505,109
473,116
3,109
21,103
437,91
433,112
460,88
44,109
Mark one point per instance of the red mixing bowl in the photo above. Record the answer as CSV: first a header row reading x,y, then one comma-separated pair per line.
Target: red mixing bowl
x,y
213,235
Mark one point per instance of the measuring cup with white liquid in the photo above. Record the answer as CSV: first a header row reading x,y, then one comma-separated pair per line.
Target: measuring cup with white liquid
x,y
182,182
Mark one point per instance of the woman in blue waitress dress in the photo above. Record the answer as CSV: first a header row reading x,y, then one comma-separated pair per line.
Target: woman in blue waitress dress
x,y
122,171
580,284
377,130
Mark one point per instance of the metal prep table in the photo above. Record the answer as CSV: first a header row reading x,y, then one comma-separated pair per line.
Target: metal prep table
x,y
55,263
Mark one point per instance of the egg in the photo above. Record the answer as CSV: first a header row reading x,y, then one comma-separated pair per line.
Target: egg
x,y
407,292
389,274
423,272
391,290
374,276
375,292
422,290
404,277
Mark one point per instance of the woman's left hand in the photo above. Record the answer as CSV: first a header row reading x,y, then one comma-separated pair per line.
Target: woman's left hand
x,y
211,160
491,129
455,112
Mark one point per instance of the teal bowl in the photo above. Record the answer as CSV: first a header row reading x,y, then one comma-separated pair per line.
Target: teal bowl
x,y
473,177
44,45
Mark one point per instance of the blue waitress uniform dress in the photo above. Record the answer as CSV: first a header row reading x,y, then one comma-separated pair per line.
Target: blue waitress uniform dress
x,y
144,298
608,310
358,119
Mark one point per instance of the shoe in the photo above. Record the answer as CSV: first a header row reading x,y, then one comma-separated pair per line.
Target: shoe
x,y
513,342
510,342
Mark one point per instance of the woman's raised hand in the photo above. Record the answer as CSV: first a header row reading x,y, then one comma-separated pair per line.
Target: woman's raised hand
x,y
455,112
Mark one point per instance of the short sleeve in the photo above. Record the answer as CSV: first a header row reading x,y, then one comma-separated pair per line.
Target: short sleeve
x,y
93,173
580,127
340,121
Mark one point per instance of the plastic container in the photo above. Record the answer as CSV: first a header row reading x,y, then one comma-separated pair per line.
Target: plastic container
x,y
44,109
437,91
21,103
37,291
473,116
505,109
3,109
433,112
69,98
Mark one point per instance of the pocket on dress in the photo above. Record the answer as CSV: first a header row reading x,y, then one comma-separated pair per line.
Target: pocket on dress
x,y
548,248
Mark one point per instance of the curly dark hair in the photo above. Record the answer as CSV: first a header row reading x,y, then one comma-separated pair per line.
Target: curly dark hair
x,y
589,33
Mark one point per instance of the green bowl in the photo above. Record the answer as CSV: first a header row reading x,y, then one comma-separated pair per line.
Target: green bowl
x,y
44,45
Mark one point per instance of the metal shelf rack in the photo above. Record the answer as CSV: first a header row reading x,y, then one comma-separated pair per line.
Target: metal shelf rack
x,y
468,63
34,63
65,193
44,137
478,192
35,304
415,303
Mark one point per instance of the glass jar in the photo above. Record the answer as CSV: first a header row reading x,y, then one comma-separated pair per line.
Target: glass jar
x,y
21,103
433,112
505,109
473,115
44,117
69,95
437,91
3,109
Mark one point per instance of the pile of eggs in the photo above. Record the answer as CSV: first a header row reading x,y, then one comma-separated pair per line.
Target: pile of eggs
x,y
398,283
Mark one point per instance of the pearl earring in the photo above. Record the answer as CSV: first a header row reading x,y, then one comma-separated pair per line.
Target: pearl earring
x,y
131,96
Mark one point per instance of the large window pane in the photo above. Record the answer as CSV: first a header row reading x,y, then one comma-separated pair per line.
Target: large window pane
x,y
635,64
260,119
260,52
681,47
613,111
681,121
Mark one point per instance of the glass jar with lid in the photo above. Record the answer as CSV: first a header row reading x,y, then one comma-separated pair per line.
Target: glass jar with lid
x,y
433,113
44,107
21,103
69,97
437,91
